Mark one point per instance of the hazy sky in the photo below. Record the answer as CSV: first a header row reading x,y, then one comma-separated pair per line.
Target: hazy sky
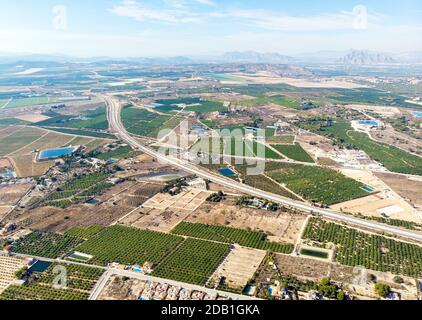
x,y
200,27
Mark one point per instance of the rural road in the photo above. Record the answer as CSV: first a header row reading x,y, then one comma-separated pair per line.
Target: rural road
x,y
113,115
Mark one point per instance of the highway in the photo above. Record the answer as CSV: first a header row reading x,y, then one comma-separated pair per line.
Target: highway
x,y
113,115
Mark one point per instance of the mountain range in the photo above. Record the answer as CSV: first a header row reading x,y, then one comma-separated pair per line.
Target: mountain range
x,y
348,58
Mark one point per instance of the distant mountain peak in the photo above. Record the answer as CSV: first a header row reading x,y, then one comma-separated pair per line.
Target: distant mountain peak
x,y
360,57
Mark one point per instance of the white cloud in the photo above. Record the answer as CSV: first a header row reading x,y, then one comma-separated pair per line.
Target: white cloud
x,y
206,2
174,12
277,21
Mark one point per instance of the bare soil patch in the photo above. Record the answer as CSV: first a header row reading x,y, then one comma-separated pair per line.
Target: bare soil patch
x,y
279,226
10,195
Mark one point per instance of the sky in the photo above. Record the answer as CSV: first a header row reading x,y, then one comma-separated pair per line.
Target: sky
x,y
154,28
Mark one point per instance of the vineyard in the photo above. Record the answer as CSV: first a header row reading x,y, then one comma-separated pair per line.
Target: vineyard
x,y
80,281
355,248
46,244
194,261
79,189
84,233
318,184
251,239
129,246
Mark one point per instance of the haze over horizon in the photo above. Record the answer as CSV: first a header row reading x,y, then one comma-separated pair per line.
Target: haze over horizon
x,y
134,28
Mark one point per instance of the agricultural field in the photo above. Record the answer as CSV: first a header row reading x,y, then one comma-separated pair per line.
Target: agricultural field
x,y
192,104
84,233
27,166
46,244
26,102
392,158
19,139
356,248
49,140
80,281
294,152
92,119
322,185
12,122
80,278
142,122
78,189
245,238
8,266
119,153
283,139
194,261
129,246
264,183
84,133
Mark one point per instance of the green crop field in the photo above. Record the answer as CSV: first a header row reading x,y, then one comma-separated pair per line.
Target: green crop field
x,y
85,133
19,139
120,153
392,158
318,184
92,119
245,238
12,122
284,139
46,244
84,233
356,248
129,246
142,122
295,152
26,102
234,146
194,261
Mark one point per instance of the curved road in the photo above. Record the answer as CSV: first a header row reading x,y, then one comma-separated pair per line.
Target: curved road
x,y
113,114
